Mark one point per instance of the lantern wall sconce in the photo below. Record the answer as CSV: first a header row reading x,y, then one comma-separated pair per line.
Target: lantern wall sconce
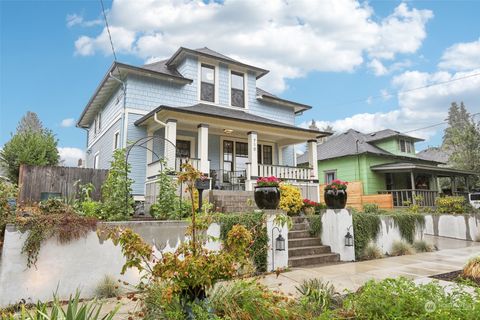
x,y
348,238
278,245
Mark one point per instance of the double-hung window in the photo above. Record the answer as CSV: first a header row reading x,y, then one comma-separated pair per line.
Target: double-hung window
x,y
237,91
264,154
207,86
330,176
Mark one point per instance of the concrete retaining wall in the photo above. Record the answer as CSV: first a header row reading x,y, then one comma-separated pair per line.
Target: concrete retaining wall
x,y
464,227
389,233
335,224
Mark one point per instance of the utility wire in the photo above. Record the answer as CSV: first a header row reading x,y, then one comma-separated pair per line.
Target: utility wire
x,y
406,91
436,124
108,30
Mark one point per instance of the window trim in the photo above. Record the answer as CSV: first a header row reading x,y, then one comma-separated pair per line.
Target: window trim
x,y
326,172
115,141
193,150
96,160
215,80
230,88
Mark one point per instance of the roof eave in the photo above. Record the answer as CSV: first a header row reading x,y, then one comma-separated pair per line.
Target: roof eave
x,y
172,61
298,107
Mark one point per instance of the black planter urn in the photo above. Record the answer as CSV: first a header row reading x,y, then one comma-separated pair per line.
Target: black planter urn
x,y
335,199
267,197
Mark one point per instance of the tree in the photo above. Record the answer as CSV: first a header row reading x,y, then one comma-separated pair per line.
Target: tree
x,y
31,144
462,139
30,122
117,200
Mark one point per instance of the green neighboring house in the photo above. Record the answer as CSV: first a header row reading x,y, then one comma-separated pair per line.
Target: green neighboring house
x,y
385,162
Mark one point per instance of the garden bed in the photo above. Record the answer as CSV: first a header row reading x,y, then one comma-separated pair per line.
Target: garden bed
x,y
456,276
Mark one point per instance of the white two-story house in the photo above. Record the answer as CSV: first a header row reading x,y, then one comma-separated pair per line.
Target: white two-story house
x,y
200,105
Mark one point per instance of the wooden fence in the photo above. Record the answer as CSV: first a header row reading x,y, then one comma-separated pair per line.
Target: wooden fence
x,y
356,198
34,181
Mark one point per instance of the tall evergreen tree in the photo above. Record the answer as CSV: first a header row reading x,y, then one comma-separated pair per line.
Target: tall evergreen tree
x,y
30,122
462,139
31,144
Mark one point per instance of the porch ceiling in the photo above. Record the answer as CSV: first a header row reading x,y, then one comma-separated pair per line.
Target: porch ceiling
x,y
407,167
241,122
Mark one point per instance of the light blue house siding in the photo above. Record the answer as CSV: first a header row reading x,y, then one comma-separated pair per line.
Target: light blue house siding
x,y
104,146
138,156
223,85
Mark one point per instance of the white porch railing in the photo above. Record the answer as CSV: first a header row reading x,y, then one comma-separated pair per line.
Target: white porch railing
x,y
154,168
285,172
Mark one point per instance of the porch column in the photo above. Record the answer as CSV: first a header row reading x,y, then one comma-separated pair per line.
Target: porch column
x,y
412,179
203,148
252,154
150,147
312,158
170,148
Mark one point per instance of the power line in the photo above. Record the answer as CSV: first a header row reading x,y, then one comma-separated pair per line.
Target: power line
x,y
407,90
108,30
436,124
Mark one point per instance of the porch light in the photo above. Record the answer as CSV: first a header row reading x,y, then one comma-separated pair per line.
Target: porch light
x,y
348,238
228,131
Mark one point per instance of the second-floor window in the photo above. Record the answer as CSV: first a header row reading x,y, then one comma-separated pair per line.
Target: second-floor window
x,y
406,146
207,86
116,140
237,90
97,124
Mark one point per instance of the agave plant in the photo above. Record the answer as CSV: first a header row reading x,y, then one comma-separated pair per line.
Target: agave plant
x,y
75,310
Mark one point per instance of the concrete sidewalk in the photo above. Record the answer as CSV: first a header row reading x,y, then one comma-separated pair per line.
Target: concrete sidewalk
x,y
453,254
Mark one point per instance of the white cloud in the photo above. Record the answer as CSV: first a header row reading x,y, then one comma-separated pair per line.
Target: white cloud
x,y
419,108
378,68
289,38
75,19
461,56
69,156
69,122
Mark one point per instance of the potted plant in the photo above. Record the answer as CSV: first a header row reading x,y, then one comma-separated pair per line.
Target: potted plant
x,y
336,194
309,207
267,195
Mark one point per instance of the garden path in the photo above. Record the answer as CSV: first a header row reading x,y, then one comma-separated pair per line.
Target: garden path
x,y
452,255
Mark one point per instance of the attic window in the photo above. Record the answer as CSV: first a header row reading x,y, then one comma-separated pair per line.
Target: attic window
x,y
207,87
237,90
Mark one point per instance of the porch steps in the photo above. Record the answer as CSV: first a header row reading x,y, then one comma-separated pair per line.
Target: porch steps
x,y
229,201
305,250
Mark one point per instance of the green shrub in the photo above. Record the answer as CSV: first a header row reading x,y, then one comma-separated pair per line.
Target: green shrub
x,y
244,299
256,224
371,251
402,299
107,288
365,227
452,205
422,246
315,225
117,200
401,248
370,208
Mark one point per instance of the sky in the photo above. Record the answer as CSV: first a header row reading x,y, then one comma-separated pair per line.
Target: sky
x,y
355,62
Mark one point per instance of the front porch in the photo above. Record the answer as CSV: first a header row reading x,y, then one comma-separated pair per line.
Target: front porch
x,y
411,183
233,148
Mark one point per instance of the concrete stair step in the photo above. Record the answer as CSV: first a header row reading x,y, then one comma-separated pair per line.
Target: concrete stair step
x,y
313,259
299,227
308,251
304,242
299,234
299,219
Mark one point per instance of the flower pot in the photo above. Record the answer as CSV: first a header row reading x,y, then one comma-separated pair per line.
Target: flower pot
x,y
335,199
267,197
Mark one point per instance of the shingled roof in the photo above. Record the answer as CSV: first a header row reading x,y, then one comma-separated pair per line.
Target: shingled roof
x,y
435,154
352,142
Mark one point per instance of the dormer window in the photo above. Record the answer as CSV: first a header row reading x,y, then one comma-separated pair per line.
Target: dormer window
x,y
406,146
207,86
237,90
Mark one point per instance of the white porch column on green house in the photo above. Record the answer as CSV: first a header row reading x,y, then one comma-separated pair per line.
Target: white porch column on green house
x,y
203,148
252,153
312,158
170,149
